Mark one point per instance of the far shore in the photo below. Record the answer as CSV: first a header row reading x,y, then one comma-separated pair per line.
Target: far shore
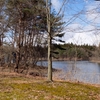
x,y
95,61
61,59
66,59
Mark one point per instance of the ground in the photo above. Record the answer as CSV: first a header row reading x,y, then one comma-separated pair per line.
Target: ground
x,y
20,87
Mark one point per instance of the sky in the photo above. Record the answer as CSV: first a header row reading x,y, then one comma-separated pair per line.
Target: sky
x,y
82,19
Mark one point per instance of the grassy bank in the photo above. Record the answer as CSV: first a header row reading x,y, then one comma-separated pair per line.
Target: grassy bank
x,y
14,87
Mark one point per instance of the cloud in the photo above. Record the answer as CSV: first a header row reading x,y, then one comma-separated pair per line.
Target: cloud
x,y
56,4
85,31
93,13
78,34
81,39
86,1
82,31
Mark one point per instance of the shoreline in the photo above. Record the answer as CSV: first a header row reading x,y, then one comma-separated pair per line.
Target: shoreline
x,y
60,59
94,61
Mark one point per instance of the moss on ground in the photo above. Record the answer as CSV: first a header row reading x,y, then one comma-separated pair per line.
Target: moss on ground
x,y
21,88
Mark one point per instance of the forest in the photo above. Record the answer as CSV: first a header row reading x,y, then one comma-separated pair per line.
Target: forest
x,y
26,27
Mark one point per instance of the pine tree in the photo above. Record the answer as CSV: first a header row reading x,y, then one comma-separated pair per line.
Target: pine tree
x,y
54,29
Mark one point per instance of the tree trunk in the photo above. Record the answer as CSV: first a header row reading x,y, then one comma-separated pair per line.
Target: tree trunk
x,y
49,40
49,60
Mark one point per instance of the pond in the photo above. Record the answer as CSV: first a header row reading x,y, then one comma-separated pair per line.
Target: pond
x,y
82,71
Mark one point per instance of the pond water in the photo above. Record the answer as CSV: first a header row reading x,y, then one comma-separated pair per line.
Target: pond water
x,y
82,71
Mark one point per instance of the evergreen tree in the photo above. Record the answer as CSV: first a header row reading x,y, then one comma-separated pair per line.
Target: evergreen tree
x,y
54,29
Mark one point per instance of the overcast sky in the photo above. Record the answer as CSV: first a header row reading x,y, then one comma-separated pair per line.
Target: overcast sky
x,y
82,19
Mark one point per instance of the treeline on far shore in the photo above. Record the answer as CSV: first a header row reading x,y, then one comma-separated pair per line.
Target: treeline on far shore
x,y
71,51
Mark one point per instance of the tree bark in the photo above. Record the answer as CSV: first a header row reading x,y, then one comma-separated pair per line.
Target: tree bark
x,y
49,60
49,40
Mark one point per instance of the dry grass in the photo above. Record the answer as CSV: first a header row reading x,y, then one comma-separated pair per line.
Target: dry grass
x,y
19,87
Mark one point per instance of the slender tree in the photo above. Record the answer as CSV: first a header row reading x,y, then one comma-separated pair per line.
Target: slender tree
x,y
48,9
54,29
